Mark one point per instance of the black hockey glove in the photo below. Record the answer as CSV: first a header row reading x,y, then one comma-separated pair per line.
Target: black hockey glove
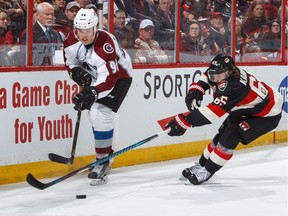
x,y
85,98
194,96
178,125
80,76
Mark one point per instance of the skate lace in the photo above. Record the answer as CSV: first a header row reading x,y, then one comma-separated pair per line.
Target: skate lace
x,y
196,167
101,170
202,174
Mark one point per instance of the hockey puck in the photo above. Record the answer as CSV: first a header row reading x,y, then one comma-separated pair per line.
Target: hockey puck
x,y
80,196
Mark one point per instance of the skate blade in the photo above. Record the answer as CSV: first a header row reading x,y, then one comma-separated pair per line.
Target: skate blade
x,y
182,178
96,182
187,182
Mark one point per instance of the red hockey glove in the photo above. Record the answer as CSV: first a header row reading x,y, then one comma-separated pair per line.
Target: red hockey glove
x,y
194,96
178,125
85,98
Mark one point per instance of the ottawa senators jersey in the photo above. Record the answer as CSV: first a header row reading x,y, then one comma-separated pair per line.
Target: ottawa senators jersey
x,y
104,60
244,94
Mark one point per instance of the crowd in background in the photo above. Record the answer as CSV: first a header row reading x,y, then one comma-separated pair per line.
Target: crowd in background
x,y
146,29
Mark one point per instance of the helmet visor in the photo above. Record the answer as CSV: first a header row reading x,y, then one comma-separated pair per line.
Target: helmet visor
x,y
215,76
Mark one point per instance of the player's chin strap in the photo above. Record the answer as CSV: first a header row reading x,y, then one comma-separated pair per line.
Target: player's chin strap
x,y
41,186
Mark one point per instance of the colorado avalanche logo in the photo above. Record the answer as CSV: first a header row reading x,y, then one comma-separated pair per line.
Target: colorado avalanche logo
x,y
222,85
108,48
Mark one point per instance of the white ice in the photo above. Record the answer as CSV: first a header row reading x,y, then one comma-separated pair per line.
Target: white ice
x,y
252,183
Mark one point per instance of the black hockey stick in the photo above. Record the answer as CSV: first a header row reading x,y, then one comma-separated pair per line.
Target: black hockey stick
x,y
41,186
60,159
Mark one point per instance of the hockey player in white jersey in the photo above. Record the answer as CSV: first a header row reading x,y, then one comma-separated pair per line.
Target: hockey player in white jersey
x,y
96,62
254,108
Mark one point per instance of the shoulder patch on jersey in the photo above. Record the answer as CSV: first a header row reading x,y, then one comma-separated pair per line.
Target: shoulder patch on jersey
x,y
222,85
108,48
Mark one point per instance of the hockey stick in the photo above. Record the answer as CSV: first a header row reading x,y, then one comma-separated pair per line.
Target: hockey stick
x,y
60,159
41,186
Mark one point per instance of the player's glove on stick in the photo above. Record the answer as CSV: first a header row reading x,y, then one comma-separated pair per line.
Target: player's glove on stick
x,y
178,125
85,98
80,76
194,96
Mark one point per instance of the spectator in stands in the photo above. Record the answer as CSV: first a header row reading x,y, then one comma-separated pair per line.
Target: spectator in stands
x,y
119,20
143,8
6,40
83,3
198,8
59,10
164,22
270,9
240,39
217,35
191,45
122,38
255,23
186,17
6,37
271,41
223,7
206,9
45,39
93,6
65,25
149,50
120,23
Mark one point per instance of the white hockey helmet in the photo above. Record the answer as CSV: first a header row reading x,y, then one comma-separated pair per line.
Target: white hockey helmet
x,y
86,18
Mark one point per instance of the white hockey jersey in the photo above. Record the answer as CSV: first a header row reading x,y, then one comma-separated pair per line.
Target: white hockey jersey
x,y
104,60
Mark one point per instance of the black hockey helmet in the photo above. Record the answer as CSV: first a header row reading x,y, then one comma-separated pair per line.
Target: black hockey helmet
x,y
220,64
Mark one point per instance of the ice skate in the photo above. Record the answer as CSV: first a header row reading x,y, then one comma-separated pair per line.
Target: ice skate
x,y
189,171
99,174
199,176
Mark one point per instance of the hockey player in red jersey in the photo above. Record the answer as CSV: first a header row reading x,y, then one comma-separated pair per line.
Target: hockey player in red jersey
x,y
253,107
96,62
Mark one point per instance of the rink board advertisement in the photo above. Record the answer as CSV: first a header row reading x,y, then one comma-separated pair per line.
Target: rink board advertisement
x,y
37,115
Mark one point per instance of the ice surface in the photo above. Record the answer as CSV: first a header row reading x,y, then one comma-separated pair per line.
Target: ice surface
x,y
253,182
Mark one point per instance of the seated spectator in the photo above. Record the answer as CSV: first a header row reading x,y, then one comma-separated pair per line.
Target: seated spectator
x,y
199,9
255,23
270,10
271,41
136,9
217,34
93,6
224,7
186,17
164,22
65,25
6,40
149,50
120,22
83,3
191,45
143,10
45,39
6,37
59,9
122,38
240,38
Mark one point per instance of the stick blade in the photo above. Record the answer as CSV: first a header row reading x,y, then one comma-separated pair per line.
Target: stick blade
x,y
59,159
34,182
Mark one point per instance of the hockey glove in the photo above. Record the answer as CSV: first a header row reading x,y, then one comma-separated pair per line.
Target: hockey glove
x,y
80,76
85,98
178,125
194,96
